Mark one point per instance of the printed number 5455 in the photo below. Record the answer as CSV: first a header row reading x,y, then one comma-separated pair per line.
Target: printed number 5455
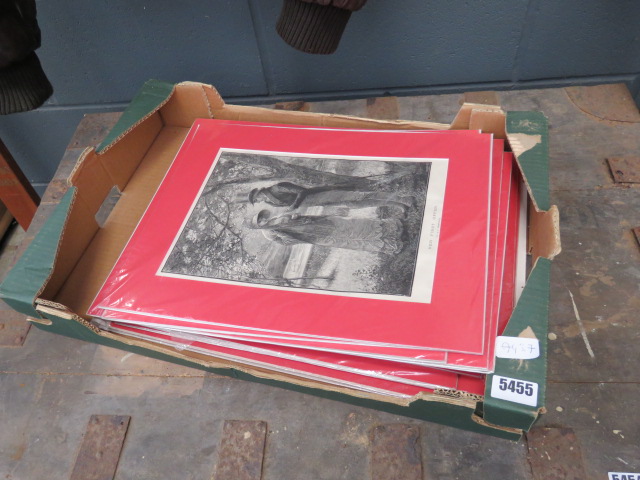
x,y
516,386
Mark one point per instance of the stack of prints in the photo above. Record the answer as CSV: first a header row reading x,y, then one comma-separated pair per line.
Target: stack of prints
x,y
384,261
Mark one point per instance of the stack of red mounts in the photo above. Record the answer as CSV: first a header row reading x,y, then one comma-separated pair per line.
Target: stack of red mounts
x,y
384,261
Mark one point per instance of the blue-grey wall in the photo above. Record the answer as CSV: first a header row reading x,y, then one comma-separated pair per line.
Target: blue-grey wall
x,y
98,53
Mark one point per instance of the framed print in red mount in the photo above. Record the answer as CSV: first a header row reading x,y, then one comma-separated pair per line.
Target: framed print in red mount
x,y
500,207
350,235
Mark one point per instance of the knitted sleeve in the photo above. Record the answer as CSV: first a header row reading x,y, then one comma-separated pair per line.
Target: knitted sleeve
x,y
351,5
19,33
23,84
315,26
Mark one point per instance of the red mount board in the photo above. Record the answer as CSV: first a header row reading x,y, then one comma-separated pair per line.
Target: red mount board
x,y
460,229
403,373
498,224
505,209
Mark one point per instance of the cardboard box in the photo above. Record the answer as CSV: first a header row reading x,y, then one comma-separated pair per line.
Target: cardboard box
x,y
59,274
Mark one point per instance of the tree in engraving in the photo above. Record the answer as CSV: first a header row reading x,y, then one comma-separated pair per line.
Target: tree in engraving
x,y
218,240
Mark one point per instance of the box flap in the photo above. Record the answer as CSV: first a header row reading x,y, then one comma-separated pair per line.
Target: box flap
x,y
528,137
530,318
189,101
488,118
26,279
544,233
151,96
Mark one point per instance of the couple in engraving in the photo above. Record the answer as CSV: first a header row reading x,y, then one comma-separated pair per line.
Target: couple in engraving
x,y
335,227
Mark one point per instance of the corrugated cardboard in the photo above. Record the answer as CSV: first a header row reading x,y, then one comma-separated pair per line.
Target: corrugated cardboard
x,y
58,276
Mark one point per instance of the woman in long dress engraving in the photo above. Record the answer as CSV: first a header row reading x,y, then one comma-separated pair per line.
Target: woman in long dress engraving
x,y
363,234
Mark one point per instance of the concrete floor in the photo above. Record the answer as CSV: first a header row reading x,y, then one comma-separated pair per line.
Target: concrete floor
x,y
50,386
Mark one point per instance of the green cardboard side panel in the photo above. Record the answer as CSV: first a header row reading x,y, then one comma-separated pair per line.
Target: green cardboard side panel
x,y
532,311
152,94
437,412
24,281
534,161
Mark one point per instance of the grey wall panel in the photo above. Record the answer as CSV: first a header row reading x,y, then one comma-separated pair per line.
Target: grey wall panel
x,y
402,43
98,54
575,38
103,50
37,140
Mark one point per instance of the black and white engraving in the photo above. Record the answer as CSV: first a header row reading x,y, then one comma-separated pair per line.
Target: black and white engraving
x,y
308,222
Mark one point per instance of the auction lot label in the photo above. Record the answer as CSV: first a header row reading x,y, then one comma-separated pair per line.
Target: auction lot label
x,y
514,390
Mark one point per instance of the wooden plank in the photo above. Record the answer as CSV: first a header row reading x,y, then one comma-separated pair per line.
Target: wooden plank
x,y
13,327
100,450
625,169
16,191
241,450
383,108
487,97
5,219
636,233
612,102
602,416
554,454
298,106
396,453
92,129
598,270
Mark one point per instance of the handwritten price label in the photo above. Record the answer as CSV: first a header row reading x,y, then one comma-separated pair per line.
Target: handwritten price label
x,y
518,348
514,390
